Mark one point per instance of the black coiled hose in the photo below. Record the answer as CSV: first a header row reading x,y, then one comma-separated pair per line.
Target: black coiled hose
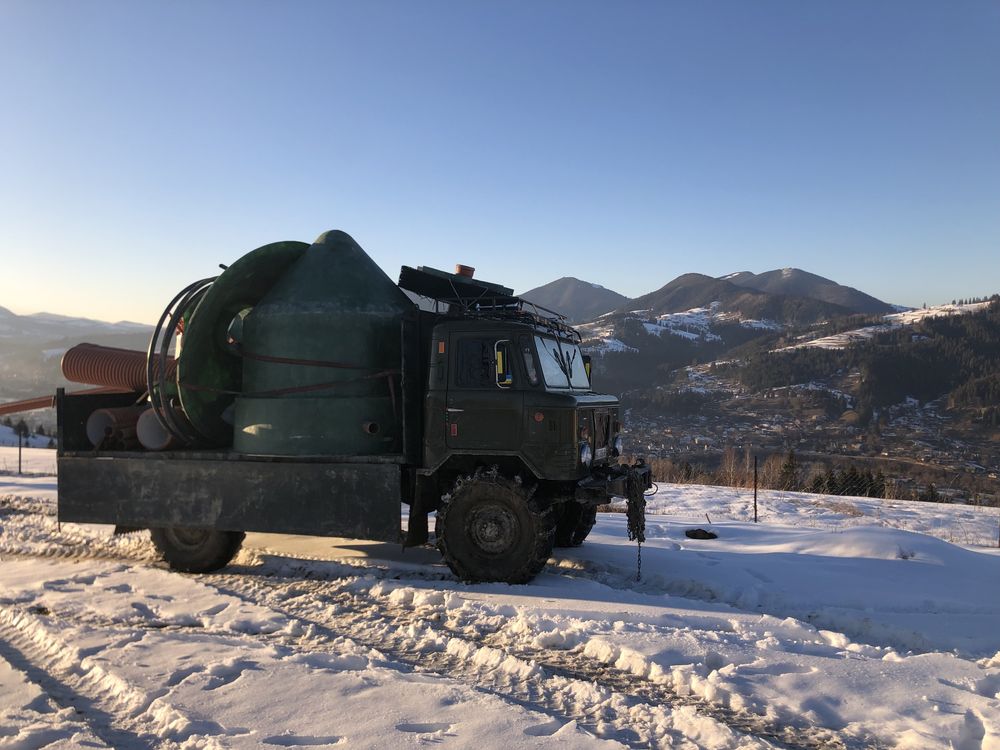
x,y
156,357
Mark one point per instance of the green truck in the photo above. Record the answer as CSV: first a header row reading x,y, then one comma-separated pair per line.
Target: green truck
x,y
311,394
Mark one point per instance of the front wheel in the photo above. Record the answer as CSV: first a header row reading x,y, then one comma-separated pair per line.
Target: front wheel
x,y
574,522
492,528
196,550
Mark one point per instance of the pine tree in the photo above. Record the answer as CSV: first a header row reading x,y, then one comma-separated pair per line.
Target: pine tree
x,y
878,486
930,495
788,479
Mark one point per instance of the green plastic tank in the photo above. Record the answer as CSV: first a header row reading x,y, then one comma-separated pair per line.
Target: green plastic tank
x,y
322,358
209,368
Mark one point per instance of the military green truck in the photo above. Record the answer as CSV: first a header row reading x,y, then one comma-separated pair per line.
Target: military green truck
x,y
310,394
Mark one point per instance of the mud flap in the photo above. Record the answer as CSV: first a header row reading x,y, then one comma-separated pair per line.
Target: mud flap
x,y
119,530
425,499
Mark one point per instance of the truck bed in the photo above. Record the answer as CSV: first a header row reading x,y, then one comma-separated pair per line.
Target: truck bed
x,y
349,496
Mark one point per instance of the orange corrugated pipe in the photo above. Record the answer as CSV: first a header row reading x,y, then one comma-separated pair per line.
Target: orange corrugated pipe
x,y
47,402
109,366
29,404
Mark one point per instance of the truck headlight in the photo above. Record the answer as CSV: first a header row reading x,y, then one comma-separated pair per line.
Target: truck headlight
x,y
586,454
618,446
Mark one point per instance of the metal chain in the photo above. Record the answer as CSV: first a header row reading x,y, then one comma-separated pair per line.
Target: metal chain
x,y
638,562
635,509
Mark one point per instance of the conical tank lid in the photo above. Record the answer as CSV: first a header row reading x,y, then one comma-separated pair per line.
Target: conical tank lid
x,y
336,274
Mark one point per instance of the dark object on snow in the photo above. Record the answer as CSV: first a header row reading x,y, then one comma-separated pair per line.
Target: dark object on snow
x,y
700,534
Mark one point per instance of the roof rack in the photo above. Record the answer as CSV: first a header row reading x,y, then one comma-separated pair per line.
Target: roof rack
x,y
471,298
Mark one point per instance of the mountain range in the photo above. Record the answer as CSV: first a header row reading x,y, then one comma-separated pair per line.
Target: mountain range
x,y
700,318
42,325
788,295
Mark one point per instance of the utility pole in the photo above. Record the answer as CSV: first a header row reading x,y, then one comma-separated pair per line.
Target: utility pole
x,y
19,441
755,489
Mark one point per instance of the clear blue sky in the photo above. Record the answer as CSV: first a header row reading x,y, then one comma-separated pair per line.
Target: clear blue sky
x,y
620,142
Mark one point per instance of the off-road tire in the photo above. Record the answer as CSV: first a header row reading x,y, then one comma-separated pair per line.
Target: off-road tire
x,y
573,523
196,550
492,528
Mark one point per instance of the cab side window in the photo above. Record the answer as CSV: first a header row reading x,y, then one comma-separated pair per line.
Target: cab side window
x,y
485,363
475,363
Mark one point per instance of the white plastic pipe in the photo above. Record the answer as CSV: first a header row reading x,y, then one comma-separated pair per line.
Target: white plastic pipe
x,y
114,428
152,436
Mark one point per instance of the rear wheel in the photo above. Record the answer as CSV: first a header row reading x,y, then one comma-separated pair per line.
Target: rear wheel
x,y
196,550
573,524
492,528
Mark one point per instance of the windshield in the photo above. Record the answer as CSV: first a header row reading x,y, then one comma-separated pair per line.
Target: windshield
x,y
562,363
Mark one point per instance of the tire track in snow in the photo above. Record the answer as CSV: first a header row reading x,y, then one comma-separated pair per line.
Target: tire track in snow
x,y
116,712
626,700
553,681
71,723
37,533
333,617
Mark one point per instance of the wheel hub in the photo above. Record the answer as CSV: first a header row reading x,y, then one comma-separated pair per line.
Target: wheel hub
x,y
188,538
492,528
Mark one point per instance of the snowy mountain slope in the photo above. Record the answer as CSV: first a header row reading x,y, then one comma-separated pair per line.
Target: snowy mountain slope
x,y
892,322
694,290
695,325
702,311
823,624
787,295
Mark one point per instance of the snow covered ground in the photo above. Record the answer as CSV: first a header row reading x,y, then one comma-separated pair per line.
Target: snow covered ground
x,y
893,321
8,437
835,622
694,325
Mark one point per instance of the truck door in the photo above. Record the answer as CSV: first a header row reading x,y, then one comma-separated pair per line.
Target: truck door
x,y
484,404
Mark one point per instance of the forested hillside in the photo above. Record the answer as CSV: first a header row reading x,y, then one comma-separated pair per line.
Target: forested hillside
x,y
955,356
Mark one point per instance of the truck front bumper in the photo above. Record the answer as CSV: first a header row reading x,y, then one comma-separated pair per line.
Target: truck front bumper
x,y
606,482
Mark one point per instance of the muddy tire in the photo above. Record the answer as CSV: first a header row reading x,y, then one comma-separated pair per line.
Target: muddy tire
x,y
196,550
573,524
492,528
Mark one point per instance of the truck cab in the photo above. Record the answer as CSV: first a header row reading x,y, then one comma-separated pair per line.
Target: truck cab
x,y
518,393
509,408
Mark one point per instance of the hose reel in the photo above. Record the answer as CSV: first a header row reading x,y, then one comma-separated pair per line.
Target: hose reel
x,y
193,407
